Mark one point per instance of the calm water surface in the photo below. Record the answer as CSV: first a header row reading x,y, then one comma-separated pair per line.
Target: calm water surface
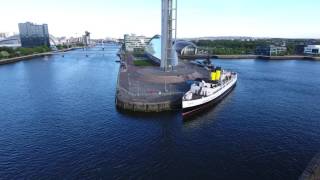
x,y
58,120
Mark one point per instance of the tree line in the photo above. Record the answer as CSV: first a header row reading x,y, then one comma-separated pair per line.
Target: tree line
x,y
7,52
243,47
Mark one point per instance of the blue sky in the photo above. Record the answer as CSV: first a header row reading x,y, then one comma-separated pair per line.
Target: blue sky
x,y
198,18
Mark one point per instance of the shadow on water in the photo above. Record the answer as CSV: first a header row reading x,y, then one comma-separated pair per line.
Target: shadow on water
x,y
166,115
312,172
177,114
209,114
200,115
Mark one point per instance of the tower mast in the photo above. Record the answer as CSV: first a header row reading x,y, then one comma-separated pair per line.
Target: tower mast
x,y
168,34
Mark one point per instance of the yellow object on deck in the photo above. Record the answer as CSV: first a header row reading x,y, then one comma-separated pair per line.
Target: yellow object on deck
x,y
218,75
213,76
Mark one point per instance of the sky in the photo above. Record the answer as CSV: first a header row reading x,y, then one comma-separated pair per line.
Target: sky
x,y
197,18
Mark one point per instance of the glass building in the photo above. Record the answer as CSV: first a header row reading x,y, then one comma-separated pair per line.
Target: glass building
x,y
33,35
153,49
182,48
185,48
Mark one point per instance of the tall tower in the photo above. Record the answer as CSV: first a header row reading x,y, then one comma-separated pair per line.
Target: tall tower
x,y
168,34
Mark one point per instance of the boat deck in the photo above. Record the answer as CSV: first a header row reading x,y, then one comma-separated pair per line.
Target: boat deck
x,y
198,96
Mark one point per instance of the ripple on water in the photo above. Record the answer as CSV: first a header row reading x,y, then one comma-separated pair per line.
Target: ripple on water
x,y
58,120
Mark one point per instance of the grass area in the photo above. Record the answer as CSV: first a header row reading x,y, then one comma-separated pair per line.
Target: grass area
x,y
142,63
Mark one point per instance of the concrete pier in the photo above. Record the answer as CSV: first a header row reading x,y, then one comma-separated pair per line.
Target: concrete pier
x,y
148,89
312,172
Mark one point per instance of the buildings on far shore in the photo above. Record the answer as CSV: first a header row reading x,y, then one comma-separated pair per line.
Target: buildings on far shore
x,y
15,41
86,38
271,50
33,35
135,43
151,47
3,35
312,50
181,47
309,50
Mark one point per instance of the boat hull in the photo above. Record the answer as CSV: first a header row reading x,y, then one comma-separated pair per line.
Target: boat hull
x,y
191,111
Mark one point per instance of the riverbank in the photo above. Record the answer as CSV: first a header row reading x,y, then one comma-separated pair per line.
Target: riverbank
x,y
289,58
49,107
29,57
226,57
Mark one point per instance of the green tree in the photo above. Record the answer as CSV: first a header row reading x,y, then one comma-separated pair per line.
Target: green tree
x,y
25,51
5,54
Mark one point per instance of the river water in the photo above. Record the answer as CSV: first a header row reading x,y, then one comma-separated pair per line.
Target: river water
x,y
58,120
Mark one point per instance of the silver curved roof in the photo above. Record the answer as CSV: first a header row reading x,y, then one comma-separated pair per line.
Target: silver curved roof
x,y
179,45
154,47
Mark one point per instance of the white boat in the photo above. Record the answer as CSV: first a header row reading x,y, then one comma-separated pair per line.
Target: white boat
x,y
206,93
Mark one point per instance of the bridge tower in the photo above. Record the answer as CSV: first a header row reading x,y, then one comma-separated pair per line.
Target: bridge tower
x,y
168,34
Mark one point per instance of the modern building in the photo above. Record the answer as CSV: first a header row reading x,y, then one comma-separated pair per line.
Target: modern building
x,y
86,38
12,41
312,50
3,35
153,49
299,49
74,41
135,43
271,50
185,48
33,35
59,40
181,48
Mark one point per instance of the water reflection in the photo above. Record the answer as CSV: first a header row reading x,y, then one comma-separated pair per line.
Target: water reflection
x,y
207,116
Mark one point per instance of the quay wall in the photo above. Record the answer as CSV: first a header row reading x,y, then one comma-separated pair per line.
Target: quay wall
x,y
312,172
135,106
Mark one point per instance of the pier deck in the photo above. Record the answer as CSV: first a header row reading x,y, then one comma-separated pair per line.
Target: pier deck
x,y
149,89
